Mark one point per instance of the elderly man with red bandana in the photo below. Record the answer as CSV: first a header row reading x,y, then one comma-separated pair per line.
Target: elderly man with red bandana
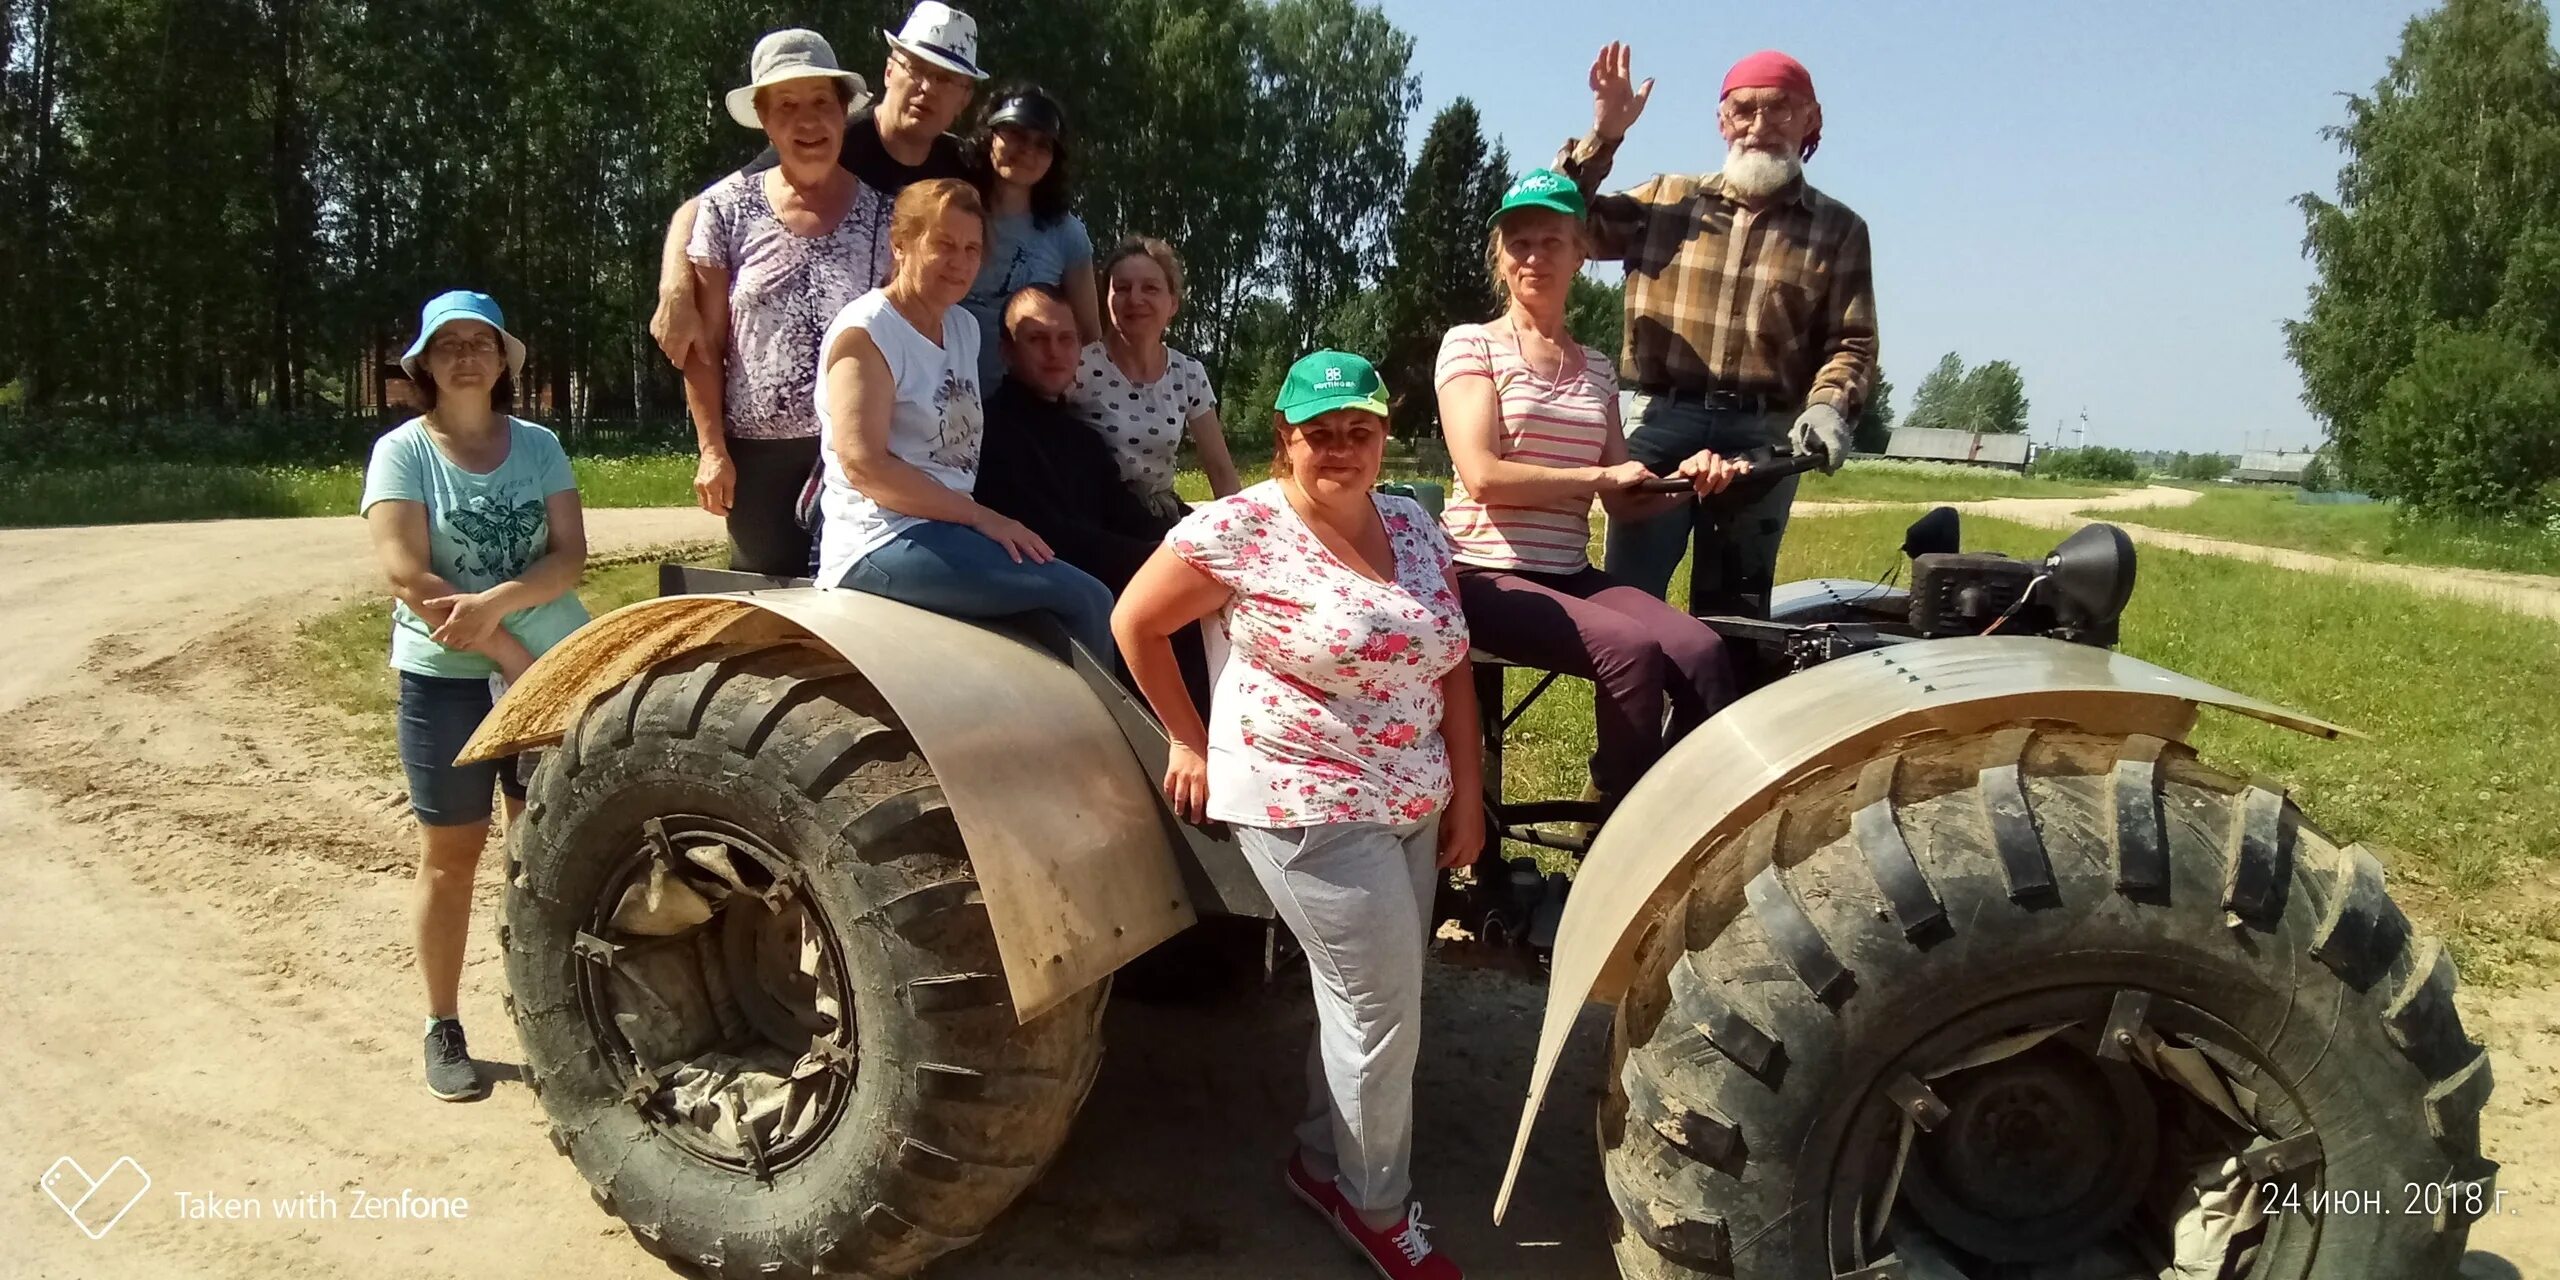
x,y
1751,315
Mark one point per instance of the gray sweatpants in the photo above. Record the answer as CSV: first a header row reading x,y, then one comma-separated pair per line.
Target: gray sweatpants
x,y
1358,895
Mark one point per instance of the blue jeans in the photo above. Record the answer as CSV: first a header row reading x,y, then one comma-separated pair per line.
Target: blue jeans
x,y
438,714
956,570
1743,551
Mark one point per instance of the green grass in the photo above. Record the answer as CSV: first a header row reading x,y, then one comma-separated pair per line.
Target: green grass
x,y
2454,782
2369,531
341,655
143,492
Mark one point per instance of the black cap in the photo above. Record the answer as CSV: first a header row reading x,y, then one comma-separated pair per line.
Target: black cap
x,y
1029,109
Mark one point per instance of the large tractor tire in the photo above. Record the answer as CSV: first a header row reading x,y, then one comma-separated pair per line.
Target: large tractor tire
x,y
2041,1004
757,989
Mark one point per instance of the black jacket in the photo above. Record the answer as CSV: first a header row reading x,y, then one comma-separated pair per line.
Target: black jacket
x,y
1042,465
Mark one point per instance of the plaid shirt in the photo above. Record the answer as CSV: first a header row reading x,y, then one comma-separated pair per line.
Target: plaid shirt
x,y
1780,303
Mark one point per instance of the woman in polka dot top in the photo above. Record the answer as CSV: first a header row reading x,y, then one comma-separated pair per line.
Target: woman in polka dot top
x,y
1142,395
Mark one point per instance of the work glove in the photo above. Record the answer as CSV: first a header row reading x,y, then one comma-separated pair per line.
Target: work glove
x,y
1821,427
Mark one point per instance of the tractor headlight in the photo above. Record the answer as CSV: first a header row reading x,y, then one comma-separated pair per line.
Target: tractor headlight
x,y
2091,576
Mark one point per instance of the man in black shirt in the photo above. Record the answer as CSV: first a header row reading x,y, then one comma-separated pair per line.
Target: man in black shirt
x,y
1042,465
901,137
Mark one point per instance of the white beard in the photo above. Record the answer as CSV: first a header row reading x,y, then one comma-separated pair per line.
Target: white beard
x,y
1758,173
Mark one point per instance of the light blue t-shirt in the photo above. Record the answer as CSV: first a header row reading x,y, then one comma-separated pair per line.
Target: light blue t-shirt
x,y
1019,253
482,529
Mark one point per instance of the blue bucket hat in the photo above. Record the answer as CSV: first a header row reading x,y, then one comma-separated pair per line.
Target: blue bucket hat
x,y
463,304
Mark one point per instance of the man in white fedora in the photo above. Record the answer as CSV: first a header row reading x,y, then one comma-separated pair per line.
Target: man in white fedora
x,y
901,137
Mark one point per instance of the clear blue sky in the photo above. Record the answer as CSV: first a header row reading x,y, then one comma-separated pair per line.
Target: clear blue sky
x,y
2102,194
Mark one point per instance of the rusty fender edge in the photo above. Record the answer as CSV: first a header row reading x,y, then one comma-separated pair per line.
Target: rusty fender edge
x,y
1060,820
1733,768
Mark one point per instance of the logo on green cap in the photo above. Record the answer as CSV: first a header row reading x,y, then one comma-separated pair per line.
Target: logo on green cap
x,y
1324,381
1542,189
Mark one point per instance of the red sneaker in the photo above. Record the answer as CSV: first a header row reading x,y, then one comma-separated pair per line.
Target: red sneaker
x,y
1402,1251
1319,1194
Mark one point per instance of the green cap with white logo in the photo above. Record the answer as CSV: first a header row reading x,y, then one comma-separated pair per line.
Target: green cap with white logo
x,y
1320,383
1542,189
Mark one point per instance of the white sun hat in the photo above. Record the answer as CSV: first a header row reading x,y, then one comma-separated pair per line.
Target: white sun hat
x,y
790,54
941,35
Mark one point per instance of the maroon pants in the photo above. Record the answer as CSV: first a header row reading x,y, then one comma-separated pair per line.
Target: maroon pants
x,y
1634,649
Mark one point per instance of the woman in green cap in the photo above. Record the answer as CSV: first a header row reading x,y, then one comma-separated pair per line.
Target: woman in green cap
x,y
1343,723
1531,417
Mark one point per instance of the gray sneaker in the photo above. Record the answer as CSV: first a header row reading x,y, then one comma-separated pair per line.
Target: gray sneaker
x,y
450,1072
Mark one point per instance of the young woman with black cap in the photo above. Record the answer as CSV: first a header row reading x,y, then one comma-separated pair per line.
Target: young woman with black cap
x,y
1018,160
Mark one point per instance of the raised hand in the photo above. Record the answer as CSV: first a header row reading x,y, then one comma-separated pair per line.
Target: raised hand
x,y
1616,100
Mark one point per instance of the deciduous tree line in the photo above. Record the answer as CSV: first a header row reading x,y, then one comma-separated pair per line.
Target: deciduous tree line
x,y
209,206
1990,397
2431,347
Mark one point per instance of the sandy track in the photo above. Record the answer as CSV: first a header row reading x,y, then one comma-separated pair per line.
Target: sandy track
x,y
203,966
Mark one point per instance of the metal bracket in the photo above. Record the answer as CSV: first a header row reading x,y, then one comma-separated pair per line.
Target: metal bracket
x,y
597,951
1917,1101
2290,1157
747,1138
838,1058
642,1089
2124,1025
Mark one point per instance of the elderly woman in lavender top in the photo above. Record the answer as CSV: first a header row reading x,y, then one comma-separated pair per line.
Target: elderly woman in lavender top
x,y
776,254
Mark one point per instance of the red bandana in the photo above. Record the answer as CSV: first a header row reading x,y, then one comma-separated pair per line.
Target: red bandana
x,y
1770,69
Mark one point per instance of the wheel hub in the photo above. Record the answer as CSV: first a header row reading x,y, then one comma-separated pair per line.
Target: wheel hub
x,y
717,986
2040,1154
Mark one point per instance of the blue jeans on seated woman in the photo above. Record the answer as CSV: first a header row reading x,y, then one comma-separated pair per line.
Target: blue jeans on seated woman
x,y
956,570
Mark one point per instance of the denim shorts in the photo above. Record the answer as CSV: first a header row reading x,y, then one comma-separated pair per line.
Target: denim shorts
x,y
438,714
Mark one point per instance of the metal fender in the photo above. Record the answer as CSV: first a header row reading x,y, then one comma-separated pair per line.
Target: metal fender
x,y
1733,768
1061,822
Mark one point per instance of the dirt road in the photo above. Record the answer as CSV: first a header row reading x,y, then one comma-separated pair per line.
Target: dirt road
x,y
203,967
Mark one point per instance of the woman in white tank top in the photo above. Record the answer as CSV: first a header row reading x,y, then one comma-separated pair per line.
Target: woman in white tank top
x,y
900,410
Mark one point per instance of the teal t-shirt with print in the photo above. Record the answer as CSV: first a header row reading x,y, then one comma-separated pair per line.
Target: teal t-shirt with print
x,y
482,529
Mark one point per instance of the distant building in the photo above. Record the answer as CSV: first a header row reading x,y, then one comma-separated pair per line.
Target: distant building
x,y
2272,466
1975,448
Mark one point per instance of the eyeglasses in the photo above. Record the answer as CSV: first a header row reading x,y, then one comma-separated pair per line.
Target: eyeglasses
x,y
1780,114
451,347
931,76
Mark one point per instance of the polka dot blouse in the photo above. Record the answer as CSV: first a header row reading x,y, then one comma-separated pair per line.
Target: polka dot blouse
x,y
1144,423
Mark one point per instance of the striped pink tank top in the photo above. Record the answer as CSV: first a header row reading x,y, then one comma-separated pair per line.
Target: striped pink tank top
x,y
1551,424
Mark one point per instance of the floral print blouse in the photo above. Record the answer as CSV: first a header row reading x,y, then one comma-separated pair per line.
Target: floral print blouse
x,y
1327,708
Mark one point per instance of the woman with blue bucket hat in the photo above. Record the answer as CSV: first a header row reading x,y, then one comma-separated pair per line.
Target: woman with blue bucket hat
x,y
475,519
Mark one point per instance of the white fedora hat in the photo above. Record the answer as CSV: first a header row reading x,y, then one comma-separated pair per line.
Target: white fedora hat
x,y
941,35
790,54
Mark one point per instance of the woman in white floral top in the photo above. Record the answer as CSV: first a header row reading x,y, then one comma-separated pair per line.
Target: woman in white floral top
x,y
1343,744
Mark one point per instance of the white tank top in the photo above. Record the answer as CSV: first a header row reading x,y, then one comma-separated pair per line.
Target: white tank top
x,y
935,424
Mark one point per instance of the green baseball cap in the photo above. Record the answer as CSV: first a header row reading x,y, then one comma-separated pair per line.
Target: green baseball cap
x,y
1542,189
1328,380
